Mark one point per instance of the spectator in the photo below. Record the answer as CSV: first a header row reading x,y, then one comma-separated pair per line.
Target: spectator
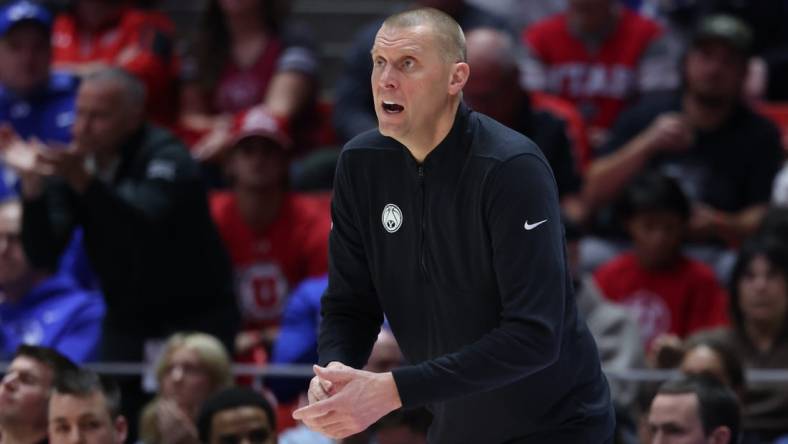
x,y
770,42
493,89
694,411
85,408
665,291
25,391
705,353
759,334
698,136
601,56
247,55
34,101
237,414
354,112
275,238
137,194
38,307
193,367
96,34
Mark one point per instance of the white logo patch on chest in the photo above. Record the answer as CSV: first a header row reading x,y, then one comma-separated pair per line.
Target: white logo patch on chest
x,y
391,218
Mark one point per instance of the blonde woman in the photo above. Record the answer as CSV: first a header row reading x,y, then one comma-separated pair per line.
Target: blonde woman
x,y
192,367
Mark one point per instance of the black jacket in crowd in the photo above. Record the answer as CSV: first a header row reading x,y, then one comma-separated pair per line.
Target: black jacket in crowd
x,y
465,255
151,241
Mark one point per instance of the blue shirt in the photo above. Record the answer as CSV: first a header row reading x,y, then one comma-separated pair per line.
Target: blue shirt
x,y
57,314
47,114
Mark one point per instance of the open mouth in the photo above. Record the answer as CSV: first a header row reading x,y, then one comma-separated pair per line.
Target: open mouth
x,y
392,108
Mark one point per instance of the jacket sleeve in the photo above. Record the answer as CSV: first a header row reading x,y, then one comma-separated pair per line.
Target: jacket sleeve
x,y
351,313
526,235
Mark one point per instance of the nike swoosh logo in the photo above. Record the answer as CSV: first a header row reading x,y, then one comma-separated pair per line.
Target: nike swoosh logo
x,y
530,227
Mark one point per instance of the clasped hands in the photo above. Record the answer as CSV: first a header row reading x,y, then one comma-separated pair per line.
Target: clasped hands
x,y
344,401
32,160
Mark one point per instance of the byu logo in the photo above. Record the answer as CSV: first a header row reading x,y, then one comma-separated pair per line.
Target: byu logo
x,y
392,218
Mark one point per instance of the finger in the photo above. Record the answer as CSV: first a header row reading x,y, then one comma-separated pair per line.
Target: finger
x,y
314,410
335,374
316,394
326,386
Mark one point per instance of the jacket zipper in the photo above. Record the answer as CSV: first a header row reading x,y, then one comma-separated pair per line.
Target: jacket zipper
x,y
422,224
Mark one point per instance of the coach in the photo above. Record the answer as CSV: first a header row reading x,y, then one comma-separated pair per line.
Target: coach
x,y
448,222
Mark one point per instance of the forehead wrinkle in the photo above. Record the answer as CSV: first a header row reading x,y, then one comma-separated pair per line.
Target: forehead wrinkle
x,y
413,39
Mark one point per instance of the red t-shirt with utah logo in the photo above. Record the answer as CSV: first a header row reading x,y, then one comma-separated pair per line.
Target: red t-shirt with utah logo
x,y
269,264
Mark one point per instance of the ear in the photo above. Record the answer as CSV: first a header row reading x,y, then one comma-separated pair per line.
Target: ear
x,y
459,76
121,427
721,435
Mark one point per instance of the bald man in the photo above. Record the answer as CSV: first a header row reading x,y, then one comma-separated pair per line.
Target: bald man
x,y
448,223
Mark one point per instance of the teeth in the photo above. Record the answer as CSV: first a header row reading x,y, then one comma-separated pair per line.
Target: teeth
x,y
388,103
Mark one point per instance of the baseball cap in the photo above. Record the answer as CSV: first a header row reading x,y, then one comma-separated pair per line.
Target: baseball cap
x,y
725,28
258,122
23,11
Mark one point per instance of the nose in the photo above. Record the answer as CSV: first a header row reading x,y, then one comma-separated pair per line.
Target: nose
x,y
176,373
75,435
10,382
386,78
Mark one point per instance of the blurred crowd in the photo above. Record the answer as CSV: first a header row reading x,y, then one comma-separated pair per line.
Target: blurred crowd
x,y
165,199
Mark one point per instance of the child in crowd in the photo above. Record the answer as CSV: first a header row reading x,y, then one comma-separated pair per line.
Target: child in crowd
x,y
667,292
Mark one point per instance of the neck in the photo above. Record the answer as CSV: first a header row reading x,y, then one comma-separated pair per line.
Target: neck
x,y
763,334
705,116
598,30
420,149
17,433
259,207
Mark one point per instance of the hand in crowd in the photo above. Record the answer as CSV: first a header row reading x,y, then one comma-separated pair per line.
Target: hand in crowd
x,y
174,425
344,401
32,160
669,131
666,351
211,146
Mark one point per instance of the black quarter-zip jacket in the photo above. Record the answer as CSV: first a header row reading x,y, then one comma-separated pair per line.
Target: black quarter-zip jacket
x,y
465,255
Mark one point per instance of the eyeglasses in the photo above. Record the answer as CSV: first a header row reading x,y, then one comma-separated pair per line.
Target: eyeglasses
x,y
256,436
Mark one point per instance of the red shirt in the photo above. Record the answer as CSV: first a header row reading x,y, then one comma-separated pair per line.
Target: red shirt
x,y
679,300
601,82
270,263
240,88
140,42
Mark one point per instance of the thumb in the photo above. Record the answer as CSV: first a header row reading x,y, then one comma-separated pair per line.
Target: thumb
x,y
335,374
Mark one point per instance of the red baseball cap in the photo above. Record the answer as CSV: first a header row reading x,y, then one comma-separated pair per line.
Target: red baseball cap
x,y
258,122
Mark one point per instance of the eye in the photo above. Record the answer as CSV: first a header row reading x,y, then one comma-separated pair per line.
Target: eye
x,y
378,62
408,64
61,428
